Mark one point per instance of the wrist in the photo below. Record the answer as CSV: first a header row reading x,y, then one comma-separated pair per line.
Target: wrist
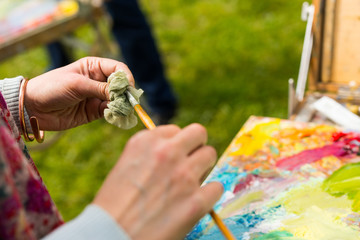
x,y
37,133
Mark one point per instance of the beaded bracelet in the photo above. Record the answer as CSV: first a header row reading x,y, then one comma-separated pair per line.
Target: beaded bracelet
x,y
37,133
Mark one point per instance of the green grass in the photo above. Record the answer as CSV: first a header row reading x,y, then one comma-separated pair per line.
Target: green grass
x,y
226,59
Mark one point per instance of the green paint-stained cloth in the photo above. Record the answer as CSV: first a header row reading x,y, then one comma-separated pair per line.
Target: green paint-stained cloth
x,y
120,112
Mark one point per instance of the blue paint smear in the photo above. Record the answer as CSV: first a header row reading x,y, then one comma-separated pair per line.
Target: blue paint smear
x,y
228,175
239,225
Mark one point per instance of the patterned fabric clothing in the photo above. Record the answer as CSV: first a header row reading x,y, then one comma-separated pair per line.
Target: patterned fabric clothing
x,y
26,208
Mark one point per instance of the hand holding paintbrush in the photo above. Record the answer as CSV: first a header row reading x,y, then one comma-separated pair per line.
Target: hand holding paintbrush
x,y
150,125
154,190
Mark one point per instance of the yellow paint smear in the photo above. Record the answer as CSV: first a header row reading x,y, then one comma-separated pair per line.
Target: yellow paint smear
x,y
253,140
297,200
240,203
318,224
317,214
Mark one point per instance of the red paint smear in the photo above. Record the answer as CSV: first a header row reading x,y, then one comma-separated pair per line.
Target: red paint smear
x,y
346,137
308,156
244,183
337,135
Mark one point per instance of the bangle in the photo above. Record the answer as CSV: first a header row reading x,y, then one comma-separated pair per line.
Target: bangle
x,y
37,133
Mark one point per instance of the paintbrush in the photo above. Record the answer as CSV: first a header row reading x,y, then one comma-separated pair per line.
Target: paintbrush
x,y
144,117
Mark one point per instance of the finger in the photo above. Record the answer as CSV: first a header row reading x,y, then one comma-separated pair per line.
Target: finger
x,y
204,200
103,105
167,131
94,109
108,66
210,193
100,69
191,137
93,89
201,161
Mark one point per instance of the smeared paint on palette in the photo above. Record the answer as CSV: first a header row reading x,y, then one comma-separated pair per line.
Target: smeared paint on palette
x,y
287,180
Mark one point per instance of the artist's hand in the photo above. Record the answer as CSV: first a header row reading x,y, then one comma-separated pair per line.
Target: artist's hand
x,y
72,95
154,190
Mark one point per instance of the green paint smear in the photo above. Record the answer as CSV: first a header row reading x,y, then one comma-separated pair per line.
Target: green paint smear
x,y
316,213
299,199
276,235
345,181
274,150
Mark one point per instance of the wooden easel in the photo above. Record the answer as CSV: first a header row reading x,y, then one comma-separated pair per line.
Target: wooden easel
x,y
334,67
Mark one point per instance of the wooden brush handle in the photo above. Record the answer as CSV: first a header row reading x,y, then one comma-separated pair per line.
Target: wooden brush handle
x,y
144,117
225,231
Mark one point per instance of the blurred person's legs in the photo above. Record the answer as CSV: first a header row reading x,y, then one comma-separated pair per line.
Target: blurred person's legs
x,y
57,55
140,53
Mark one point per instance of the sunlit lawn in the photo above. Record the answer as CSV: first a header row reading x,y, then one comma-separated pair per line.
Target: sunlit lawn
x,y
226,59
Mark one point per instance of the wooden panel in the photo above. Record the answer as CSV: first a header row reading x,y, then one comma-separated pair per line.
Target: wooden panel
x,y
346,62
315,61
328,41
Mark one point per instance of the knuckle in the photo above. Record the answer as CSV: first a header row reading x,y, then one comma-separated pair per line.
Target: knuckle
x,y
103,88
165,130
200,129
92,66
163,152
88,61
173,128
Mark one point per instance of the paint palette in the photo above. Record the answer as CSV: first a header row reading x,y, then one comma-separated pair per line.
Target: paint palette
x,y
287,180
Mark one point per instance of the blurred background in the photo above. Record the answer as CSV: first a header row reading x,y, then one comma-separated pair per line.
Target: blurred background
x,y
226,60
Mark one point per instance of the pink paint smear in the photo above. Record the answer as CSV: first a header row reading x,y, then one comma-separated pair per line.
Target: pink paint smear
x,y
309,156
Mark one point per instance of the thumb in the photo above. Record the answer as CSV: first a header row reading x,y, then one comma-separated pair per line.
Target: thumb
x,y
95,89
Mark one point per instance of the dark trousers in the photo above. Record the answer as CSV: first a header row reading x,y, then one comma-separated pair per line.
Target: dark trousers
x,y
139,51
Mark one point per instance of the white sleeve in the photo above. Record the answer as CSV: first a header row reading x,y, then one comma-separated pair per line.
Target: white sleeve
x,y
9,87
92,224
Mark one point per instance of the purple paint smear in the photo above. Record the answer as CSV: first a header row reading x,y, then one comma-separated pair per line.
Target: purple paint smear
x,y
309,156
